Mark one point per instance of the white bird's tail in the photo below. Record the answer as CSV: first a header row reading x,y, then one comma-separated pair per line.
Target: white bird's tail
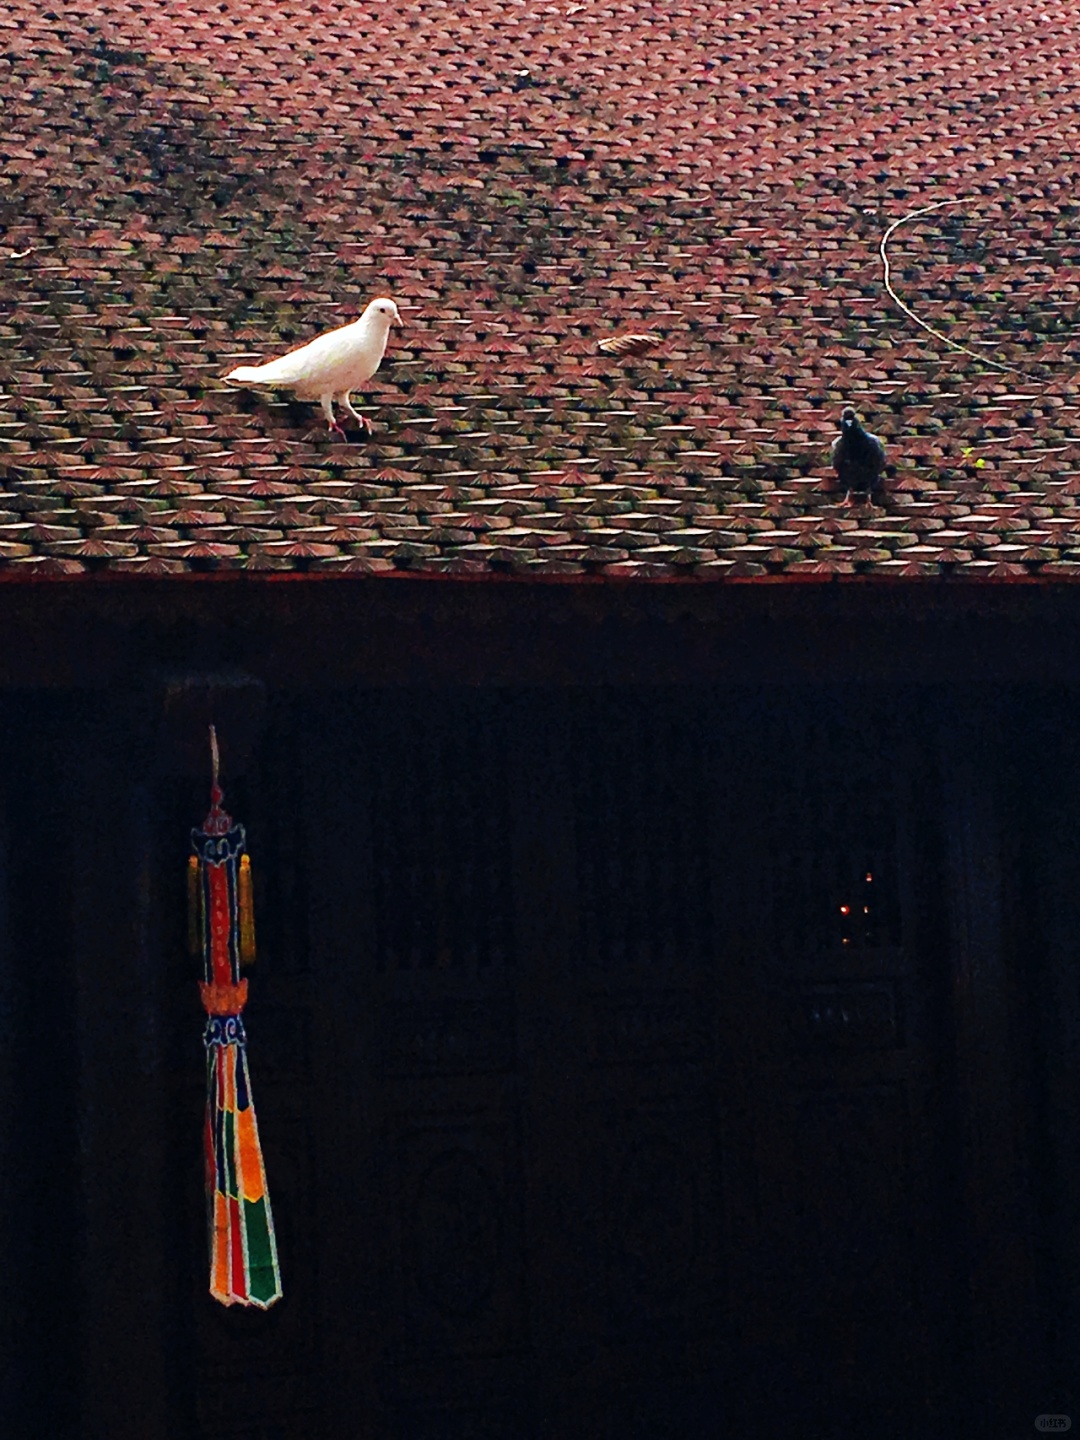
x,y
273,373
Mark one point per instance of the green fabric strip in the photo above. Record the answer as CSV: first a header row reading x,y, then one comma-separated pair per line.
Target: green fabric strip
x,y
262,1269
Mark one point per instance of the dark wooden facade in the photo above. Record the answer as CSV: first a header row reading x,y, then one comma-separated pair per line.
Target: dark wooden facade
x,y
666,1018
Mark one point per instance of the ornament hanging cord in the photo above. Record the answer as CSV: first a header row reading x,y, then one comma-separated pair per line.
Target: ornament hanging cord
x,y
883,251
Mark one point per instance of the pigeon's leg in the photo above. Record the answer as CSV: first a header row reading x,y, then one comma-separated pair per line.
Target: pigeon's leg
x,y
345,401
327,402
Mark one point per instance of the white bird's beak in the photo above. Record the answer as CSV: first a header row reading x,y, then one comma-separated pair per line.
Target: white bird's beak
x,y
397,320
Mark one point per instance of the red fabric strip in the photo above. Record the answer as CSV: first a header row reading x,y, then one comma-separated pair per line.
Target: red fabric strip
x,y
236,1245
220,924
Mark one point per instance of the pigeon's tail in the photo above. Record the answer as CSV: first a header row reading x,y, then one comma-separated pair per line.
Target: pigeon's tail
x,y
273,373
284,370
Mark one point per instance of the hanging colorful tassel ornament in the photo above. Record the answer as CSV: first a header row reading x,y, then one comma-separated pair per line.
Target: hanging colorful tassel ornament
x,y
221,931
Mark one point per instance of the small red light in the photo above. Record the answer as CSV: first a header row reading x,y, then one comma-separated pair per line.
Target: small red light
x,y
845,909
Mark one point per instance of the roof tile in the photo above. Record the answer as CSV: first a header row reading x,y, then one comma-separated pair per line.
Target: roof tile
x,y
735,210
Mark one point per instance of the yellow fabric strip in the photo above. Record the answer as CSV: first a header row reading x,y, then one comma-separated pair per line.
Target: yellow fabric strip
x,y
247,912
194,908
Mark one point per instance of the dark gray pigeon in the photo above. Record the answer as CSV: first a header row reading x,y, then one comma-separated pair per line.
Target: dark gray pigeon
x,y
858,456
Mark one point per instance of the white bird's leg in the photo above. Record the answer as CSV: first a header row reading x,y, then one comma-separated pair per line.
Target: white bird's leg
x,y
327,402
345,401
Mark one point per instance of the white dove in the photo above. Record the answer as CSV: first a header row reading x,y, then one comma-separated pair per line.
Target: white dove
x,y
331,366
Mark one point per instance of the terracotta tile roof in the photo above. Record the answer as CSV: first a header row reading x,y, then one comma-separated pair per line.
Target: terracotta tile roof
x,y
185,185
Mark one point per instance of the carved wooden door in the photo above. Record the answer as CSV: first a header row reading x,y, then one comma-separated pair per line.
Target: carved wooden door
x,y
416,937
598,1081
513,923
836,1001
631,1300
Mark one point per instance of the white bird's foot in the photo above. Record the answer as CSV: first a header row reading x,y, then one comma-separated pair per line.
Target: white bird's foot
x,y
337,430
345,401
